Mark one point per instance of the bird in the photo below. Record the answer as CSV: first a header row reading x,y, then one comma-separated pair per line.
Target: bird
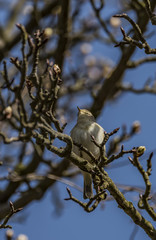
x,y
82,133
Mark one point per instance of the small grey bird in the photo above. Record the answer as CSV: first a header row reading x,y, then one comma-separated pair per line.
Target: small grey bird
x,y
81,134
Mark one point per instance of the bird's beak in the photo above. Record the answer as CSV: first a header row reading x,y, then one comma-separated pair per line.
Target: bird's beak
x,y
78,109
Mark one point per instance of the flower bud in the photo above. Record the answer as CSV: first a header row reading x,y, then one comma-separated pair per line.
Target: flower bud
x,y
9,234
140,151
86,48
48,32
8,112
115,22
136,126
22,237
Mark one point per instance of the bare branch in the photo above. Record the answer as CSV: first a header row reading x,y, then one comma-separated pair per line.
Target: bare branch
x,y
12,212
151,15
142,43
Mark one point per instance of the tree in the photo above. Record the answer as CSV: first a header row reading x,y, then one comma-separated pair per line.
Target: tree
x,y
37,99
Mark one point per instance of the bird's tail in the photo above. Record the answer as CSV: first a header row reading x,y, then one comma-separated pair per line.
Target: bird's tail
x,y
88,189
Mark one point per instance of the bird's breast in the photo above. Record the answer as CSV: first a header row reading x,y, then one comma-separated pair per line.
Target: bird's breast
x,y
82,134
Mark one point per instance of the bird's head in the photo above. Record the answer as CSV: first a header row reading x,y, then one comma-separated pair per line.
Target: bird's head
x,y
84,114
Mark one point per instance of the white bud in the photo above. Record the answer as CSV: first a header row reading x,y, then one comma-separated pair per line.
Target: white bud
x,y
115,22
9,233
48,32
86,48
90,60
136,126
140,151
94,73
8,112
22,237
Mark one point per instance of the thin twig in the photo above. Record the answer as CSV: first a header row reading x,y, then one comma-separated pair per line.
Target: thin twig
x,y
12,211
